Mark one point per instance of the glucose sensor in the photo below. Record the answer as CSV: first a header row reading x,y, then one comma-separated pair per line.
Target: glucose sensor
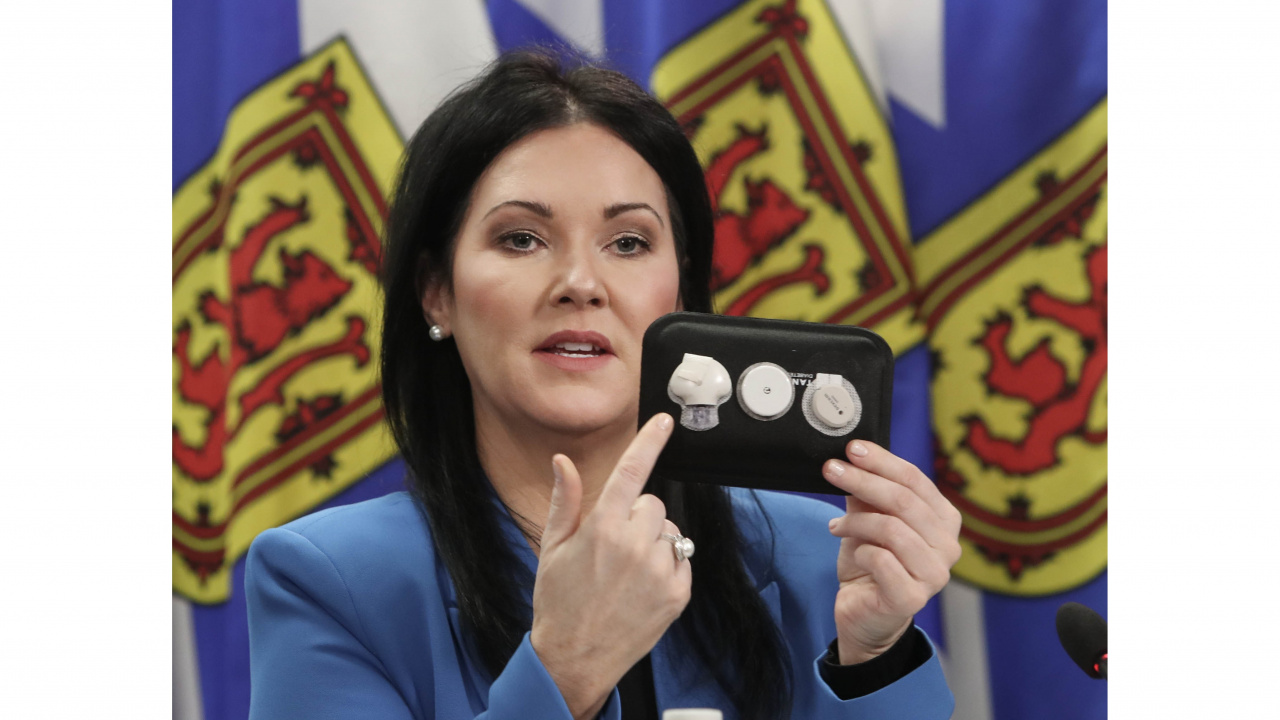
x,y
765,391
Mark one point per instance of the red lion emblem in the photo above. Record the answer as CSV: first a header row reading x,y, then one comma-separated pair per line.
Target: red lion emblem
x,y
258,317
771,216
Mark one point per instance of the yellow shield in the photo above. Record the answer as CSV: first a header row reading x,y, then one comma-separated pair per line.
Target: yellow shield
x,y
800,166
1014,293
275,251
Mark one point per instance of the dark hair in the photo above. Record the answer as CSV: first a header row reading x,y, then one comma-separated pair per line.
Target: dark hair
x,y
427,395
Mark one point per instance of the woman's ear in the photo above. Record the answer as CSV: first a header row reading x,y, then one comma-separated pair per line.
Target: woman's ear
x,y
434,294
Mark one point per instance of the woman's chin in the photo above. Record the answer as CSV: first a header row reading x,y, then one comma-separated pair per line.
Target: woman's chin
x,y
586,418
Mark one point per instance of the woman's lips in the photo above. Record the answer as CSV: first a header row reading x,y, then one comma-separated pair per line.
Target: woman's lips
x,y
576,350
577,337
574,362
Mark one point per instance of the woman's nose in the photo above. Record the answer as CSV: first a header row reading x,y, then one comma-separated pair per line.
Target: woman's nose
x,y
579,282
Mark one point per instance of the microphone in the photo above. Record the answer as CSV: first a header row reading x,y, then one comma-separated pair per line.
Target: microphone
x,y
1083,634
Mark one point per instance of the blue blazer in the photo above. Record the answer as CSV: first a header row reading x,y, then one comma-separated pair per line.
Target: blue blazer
x,y
351,615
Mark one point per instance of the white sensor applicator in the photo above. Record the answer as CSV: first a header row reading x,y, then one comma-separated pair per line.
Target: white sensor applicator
x,y
700,385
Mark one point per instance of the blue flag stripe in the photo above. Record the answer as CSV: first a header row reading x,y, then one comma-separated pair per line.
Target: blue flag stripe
x,y
221,52
1018,74
514,26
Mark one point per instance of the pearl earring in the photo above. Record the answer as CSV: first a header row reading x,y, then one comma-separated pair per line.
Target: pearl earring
x,y
436,332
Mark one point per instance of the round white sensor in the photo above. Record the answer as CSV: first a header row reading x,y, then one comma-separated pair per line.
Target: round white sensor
x,y
765,391
833,405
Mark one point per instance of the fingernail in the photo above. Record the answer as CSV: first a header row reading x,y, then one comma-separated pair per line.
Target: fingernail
x,y
555,471
835,468
664,422
857,448
832,525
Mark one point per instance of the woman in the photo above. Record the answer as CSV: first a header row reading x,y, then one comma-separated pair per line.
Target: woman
x,y
543,218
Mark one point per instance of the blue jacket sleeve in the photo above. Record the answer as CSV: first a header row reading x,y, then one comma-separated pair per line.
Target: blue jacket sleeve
x,y
921,695
525,690
311,656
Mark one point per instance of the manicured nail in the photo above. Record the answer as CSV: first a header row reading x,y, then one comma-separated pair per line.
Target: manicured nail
x,y
857,448
555,471
664,422
834,468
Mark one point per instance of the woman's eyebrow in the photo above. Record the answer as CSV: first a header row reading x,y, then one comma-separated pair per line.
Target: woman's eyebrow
x,y
617,209
544,210
535,207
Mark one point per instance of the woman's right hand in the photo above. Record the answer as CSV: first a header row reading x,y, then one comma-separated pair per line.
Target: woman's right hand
x,y
608,585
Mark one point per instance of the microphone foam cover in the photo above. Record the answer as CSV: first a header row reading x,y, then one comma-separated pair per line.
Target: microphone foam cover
x,y
1083,634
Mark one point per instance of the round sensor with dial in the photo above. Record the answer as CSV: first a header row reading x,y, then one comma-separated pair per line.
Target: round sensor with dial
x,y
831,405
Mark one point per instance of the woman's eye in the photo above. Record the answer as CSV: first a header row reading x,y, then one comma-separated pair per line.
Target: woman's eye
x,y
520,241
629,245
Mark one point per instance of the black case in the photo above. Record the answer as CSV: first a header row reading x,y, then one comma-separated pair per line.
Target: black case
x,y
781,454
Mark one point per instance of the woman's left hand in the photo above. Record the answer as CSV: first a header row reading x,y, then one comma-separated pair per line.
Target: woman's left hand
x,y
899,539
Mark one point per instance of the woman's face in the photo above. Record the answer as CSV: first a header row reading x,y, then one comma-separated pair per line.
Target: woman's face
x,y
564,258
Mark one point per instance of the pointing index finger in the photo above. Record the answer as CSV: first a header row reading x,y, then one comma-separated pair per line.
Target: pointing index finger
x,y
632,471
